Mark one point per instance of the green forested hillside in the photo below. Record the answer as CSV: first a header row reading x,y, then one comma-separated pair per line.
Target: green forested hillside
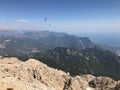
x,y
95,61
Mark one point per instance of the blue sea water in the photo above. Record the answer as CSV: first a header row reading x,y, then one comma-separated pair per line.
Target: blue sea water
x,y
109,38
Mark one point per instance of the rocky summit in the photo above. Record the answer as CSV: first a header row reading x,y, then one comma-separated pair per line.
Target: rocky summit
x,y
34,75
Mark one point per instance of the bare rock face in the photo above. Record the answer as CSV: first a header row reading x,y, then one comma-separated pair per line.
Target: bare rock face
x,y
117,86
103,83
78,83
34,75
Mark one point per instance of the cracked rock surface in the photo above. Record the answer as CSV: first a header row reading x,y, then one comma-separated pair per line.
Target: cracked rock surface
x,y
34,75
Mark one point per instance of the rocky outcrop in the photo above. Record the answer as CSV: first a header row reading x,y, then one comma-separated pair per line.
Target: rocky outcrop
x,y
103,83
34,75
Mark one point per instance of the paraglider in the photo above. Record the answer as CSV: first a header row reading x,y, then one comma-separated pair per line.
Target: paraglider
x,y
46,19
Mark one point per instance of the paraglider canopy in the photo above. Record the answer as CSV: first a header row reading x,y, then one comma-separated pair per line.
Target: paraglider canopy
x,y
46,18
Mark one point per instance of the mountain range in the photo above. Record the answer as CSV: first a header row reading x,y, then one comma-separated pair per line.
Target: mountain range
x,y
76,55
39,41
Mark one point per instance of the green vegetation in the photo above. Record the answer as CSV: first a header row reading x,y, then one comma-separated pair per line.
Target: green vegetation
x,y
88,61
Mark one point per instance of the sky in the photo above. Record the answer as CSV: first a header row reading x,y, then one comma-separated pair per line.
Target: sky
x,y
62,15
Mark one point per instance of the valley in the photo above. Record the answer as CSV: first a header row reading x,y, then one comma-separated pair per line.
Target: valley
x,y
76,55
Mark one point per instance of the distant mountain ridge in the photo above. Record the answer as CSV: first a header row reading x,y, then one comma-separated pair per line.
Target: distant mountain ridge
x,y
26,41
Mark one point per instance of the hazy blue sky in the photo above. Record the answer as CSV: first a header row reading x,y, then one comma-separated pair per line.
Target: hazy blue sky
x,y
64,15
